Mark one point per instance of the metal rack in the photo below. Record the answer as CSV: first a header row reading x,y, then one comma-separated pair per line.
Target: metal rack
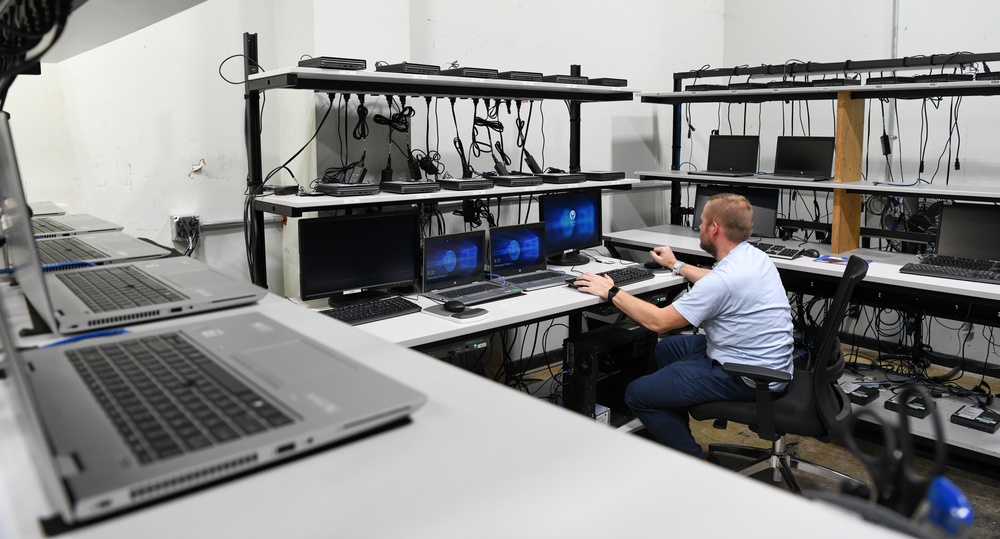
x,y
383,83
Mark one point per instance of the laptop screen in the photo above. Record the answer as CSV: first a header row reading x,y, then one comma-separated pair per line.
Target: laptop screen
x,y
517,249
763,200
454,259
969,231
733,153
804,156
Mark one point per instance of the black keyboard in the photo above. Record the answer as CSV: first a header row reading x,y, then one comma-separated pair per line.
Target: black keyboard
x,y
978,264
44,225
165,397
466,290
370,311
59,250
623,276
117,287
521,279
775,250
948,272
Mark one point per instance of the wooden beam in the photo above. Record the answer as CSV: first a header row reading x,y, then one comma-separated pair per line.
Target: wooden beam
x,y
846,218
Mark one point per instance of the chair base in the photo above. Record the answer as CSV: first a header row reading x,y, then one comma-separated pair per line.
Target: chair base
x,y
781,458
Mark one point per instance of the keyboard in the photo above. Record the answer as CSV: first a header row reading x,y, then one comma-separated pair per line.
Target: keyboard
x,y
953,272
978,264
623,276
466,290
44,225
166,397
521,279
117,287
370,311
66,250
777,250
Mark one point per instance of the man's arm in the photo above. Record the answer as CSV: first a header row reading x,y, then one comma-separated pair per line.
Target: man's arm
x,y
660,320
665,257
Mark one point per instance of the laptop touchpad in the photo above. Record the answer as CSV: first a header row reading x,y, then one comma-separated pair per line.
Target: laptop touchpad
x,y
295,363
198,278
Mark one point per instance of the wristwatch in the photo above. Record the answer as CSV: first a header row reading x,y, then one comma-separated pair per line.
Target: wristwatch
x,y
677,267
612,291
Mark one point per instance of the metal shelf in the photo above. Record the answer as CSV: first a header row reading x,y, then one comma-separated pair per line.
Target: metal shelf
x,y
900,91
385,83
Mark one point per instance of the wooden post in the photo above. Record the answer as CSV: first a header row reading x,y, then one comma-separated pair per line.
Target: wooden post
x,y
846,218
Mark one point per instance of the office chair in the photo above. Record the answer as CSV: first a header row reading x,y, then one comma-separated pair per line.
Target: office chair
x,y
812,405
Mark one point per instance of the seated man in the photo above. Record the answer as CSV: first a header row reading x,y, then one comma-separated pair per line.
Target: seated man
x,y
741,306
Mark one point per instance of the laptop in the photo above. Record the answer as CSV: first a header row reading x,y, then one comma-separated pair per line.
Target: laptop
x,y
219,398
71,224
45,208
517,254
803,158
453,270
731,156
105,248
93,298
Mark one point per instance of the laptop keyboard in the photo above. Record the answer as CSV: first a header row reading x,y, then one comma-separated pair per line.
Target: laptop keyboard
x,y
66,250
466,290
165,397
521,279
44,225
370,311
117,287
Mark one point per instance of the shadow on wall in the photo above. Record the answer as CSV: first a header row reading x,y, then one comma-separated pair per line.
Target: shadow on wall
x,y
636,145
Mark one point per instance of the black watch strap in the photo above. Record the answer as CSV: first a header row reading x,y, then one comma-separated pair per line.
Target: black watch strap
x,y
612,291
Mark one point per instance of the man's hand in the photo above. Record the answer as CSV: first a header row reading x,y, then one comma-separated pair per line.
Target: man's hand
x,y
663,256
597,285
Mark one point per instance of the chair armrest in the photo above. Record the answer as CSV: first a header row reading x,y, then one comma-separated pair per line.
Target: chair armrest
x,y
757,374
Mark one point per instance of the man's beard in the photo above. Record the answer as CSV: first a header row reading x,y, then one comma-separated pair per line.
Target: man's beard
x,y
708,248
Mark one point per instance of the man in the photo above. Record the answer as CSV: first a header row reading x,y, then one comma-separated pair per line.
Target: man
x,y
741,307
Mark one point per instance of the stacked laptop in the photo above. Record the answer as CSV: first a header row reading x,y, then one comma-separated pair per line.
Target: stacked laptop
x,y
118,422
967,247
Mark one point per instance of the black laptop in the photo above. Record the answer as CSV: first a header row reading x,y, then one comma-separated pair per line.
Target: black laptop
x,y
731,156
803,158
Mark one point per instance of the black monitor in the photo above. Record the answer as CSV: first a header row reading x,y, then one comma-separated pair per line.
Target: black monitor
x,y
969,231
804,156
354,257
572,222
763,200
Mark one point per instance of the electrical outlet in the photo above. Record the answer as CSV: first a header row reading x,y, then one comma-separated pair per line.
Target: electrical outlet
x,y
184,227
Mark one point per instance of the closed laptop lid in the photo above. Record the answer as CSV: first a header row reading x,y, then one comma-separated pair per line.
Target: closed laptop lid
x,y
804,156
733,153
517,249
454,259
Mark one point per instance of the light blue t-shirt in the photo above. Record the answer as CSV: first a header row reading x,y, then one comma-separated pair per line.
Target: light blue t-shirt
x,y
743,309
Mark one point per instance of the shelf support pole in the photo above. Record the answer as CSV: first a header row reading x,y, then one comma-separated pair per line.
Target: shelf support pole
x,y
846,218
574,127
255,176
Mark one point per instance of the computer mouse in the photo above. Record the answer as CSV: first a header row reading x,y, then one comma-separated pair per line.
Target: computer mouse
x,y
811,253
652,265
454,306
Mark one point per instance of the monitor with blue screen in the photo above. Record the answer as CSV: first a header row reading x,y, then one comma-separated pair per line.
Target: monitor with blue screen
x,y
454,259
572,222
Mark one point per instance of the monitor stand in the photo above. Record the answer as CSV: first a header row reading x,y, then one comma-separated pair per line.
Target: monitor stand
x,y
572,258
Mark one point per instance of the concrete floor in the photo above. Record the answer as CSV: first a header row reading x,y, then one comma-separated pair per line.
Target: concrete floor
x,y
982,491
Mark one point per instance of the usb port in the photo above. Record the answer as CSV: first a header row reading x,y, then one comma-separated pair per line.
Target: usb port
x,y
285,448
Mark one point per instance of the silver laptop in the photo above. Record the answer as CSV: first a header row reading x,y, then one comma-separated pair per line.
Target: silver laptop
x,y
104,248
517,253
93,298
45,208
453,269
118,422
57,226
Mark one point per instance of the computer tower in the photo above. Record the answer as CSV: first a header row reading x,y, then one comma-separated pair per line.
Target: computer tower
x,y
598,365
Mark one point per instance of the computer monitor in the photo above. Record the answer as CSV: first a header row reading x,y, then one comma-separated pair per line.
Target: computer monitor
x,y
338,257
454,259
763,200
969,231
572,222
804,156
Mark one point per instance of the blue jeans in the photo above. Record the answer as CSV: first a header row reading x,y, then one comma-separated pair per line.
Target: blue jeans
x,y
685,376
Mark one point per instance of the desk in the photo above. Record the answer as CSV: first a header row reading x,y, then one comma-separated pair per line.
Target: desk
x,y
479,460
883,285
